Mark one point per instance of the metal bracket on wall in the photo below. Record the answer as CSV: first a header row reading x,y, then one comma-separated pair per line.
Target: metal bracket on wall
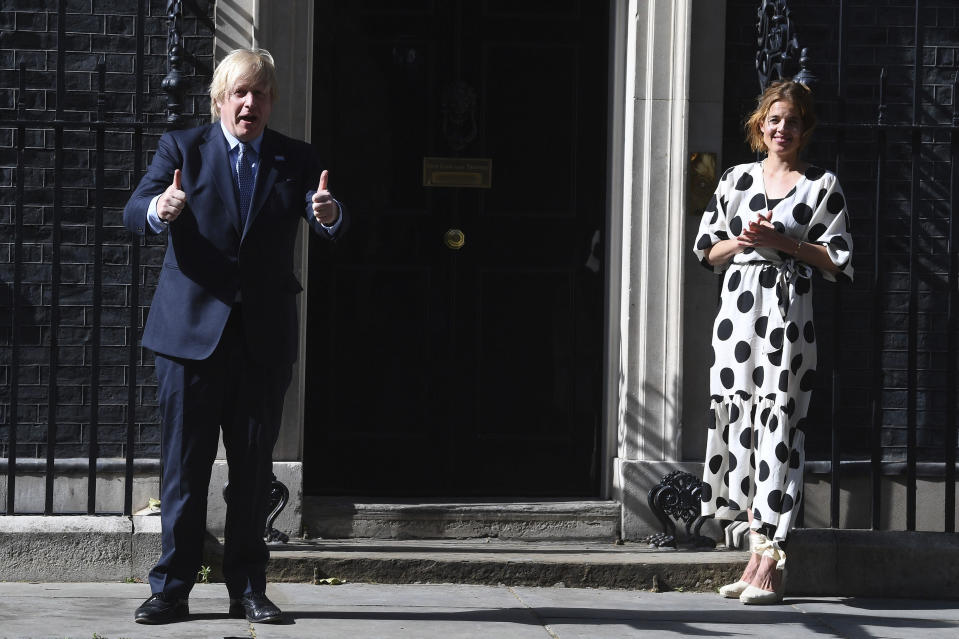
x,y
173,82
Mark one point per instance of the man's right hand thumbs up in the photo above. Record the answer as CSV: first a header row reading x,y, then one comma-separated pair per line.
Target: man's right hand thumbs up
x,y
172,201
324,206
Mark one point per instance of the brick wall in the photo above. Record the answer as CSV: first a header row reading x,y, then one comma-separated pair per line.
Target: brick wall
x,y
94,31
878,34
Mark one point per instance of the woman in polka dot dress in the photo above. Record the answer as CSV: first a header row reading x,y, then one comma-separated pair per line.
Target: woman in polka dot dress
x,y
769,224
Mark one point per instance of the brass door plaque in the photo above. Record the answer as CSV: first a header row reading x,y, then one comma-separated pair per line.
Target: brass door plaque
x,y
474,173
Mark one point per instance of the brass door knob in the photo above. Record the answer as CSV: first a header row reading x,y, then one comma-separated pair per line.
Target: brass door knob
x,y
454,239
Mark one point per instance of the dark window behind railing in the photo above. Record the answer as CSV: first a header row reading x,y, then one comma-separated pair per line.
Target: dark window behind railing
x,y
83,108
891,343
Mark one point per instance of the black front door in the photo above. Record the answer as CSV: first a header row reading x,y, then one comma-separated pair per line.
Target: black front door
x,y
455,335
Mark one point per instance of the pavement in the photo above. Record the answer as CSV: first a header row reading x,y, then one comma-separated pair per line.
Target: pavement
x,y
105,611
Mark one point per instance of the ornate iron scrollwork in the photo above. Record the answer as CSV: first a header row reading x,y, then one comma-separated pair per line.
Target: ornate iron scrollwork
x,y
173,82
778,44
279,498
678,496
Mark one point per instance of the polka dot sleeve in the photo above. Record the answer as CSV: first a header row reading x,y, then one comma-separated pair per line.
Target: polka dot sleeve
x,y
829,227
714,227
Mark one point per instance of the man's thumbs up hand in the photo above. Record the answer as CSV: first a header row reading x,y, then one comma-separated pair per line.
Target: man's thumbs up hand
x,y
324,208
172,201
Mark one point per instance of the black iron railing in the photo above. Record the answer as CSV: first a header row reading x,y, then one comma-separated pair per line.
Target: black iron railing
x,y
878,463
779,42
909,139
35,125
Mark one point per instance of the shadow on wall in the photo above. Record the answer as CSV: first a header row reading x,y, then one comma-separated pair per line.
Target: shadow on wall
x,y
640,412
642,463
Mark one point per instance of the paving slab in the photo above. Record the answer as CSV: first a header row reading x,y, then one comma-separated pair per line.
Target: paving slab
x,y
416,611
90,611
369,610
859,618
600,614
433,611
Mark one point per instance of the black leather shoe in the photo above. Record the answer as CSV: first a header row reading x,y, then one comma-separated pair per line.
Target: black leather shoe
x,y
157,609
256,608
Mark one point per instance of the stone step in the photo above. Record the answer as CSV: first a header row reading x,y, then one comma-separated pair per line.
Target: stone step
x,y
824,563
542,520
514,563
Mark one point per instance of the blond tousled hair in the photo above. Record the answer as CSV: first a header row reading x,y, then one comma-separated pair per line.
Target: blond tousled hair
x,y
253,65
795,93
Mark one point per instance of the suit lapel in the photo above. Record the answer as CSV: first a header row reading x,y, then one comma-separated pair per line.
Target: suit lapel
x,y
265,177
216,161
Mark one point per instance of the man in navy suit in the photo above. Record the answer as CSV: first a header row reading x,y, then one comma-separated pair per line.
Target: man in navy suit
x,y
230,196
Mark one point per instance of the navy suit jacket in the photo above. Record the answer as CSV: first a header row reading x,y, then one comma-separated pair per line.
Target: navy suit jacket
x,y
210,258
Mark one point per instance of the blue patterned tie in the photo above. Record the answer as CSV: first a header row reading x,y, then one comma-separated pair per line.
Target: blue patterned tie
x,y
244,176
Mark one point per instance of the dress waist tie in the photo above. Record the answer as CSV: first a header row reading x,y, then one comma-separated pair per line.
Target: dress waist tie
x,y
790,271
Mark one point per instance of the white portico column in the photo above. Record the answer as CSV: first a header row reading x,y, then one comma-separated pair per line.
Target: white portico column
x,y
288,35
646,363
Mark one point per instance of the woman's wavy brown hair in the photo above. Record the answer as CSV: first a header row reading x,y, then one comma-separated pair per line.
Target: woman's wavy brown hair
x,y
795,93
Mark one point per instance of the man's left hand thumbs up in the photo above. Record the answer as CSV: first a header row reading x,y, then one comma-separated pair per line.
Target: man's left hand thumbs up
x,y
324,207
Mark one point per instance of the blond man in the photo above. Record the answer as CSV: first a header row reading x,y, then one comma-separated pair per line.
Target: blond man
x,y
229,196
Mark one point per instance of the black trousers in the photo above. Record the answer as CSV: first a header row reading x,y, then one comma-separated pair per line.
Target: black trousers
x,y
197,398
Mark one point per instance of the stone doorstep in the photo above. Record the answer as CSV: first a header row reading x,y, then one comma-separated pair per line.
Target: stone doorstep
x,y
858,563
493,561
539,520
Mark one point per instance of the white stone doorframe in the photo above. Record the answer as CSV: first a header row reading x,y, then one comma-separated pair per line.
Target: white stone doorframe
x,y
288,36
652,88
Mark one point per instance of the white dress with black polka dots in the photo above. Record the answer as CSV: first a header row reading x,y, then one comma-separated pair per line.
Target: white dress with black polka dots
x,y
764,344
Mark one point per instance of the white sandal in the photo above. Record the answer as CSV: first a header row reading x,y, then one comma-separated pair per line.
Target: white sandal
x,y
735,590
753,595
